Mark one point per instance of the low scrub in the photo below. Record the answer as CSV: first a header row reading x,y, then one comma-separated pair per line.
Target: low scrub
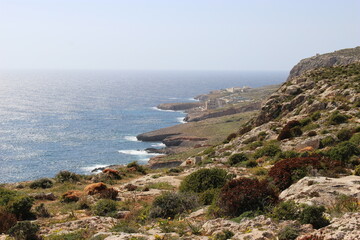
x,y
7,220
337,118
237,158
290,130
170,204
314,215
270,150
66,176
105,207
204,179
24,231
246,194
343,151
41,183
287,171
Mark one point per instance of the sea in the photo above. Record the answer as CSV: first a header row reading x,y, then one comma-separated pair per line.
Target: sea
x,y
80,120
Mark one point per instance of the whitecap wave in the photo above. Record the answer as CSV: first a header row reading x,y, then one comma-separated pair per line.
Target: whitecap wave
x,y
161,110
158,145
181,120
131,138
138,153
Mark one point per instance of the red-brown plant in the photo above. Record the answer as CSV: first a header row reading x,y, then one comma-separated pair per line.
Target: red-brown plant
x,y
7,220
287,171
246,194
290,130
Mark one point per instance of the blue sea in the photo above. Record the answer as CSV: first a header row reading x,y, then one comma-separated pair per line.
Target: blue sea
x,y
80,120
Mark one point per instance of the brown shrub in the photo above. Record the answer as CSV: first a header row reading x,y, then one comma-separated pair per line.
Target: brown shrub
x,y
245,194
291,129
72,196
95,188
7,220
288,171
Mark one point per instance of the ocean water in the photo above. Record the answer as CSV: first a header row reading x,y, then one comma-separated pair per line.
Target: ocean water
x,y
80,120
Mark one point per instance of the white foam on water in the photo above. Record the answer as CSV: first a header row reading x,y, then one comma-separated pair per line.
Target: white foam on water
x,y
158,145
181,120
138,153
161,110
131,138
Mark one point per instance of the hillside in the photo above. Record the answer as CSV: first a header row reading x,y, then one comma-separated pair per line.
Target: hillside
x,y
291,172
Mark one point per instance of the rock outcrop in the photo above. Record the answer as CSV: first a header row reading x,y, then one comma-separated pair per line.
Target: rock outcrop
x,y
340,57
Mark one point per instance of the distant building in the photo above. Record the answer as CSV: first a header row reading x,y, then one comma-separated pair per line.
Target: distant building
x,y
214,103
237,89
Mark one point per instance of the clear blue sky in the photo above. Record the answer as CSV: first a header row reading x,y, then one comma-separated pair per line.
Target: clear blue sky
x,y
173,34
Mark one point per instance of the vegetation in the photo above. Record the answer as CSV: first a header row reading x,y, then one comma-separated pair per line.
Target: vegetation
x,y
66,176
169,204
237,158
289,232
204,179
245,194
270,150
105,207
314,215
24,231
41,183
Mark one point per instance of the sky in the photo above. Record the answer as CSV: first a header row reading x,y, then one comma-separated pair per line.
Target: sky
x,y
173,34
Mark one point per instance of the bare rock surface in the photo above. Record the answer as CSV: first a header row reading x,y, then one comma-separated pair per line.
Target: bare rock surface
x,y
322,190
345,228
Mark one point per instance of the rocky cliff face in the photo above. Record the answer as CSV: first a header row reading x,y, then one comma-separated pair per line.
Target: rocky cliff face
x,y
315,84
337,58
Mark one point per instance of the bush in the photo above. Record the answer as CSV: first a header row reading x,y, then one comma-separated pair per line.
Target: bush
x,y
169,204
288,171
314,215
231,137
66,176
287,210
137,167
41,211
291,129
327,141
357,170
24,231
355,139
315,116
204,179
209,196
337,118
343,151
105,207
289,233
41,183
245,194
269,150
21,207
7,220
251,164
125,226
224,235
344,135
312,134
237,158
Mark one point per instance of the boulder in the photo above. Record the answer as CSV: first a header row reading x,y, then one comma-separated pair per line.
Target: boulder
x,y
322,190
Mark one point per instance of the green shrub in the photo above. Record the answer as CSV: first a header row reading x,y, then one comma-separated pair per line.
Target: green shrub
x,y
41,183
105,207
251,164
125,226
169,204
337,118
305,121
41,211
209,196
287,154
315,116
7,220
343,151
355,139
6,196
245,194
247,214
237,158
312,134
269,150
21,206
287,210
224,235
357,170
66,176
77,235
344,204
289,233
344,134
314,215
24,231
327,141
204,179
138,167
